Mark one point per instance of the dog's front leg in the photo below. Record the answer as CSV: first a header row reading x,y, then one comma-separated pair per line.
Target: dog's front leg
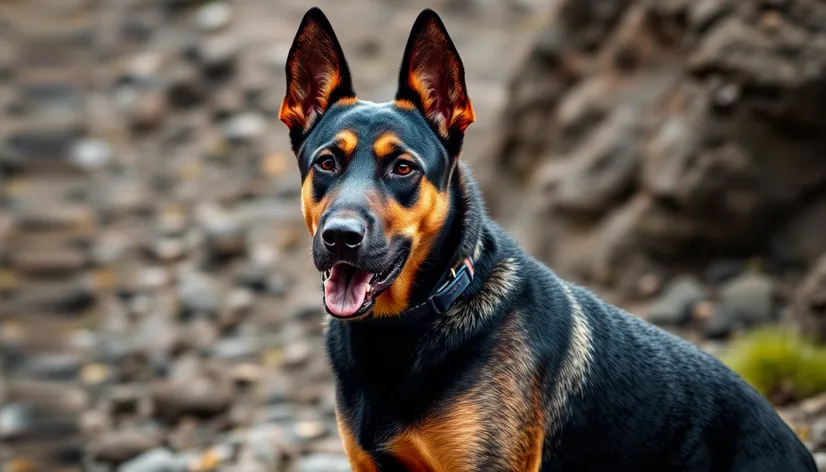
x,y
359,459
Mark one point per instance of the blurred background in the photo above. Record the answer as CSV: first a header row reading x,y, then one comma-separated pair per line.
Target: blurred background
x,y
159,310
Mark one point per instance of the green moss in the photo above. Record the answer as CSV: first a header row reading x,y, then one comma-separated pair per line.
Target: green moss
x,y
782,365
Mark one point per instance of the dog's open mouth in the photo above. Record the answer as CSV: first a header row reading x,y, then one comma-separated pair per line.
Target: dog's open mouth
x,y
350,291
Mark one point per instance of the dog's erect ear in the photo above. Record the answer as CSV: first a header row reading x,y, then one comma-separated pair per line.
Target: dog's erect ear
x,y
317,75
432,78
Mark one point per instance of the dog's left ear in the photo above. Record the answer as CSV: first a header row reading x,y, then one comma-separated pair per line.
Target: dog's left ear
x,y
432,78
317,75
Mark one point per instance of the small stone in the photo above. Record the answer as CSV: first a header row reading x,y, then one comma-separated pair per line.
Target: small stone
x,y
201,334
155,460
90,154
296,353
673,307
148,111
120,446
199,293
171,222
48,261
168,249
311,430
93,423
246,373
15,420
820,461
185,86
817,436
226,103
200,396
95,374
218,55
214,16
153,278
278,284
234,348
749,298
245,127
239,300
323,463
265,442
727,95
56,366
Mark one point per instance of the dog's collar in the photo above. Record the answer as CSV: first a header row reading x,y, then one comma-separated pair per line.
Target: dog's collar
x,y
451,286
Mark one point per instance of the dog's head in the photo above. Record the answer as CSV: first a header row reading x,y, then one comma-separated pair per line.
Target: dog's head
x,y
375,177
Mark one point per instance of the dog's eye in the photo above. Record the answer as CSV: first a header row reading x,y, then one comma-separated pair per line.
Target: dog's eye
x,y
402,168
326,163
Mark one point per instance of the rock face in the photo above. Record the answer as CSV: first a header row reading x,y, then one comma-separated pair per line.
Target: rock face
x,y
654,133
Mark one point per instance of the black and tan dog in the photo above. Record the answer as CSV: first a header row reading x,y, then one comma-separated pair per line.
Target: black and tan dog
x,y
452,349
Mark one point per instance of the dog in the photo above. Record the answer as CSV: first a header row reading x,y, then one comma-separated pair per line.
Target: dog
x,y
454,350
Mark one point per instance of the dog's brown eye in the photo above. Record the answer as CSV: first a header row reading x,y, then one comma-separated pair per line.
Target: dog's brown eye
x,y
328,164
402,168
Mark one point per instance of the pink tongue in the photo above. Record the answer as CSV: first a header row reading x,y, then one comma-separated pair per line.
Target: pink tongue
x,y
345,290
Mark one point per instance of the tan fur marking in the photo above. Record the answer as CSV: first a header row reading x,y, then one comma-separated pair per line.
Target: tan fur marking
x,y
346,140
574,369
360,461
404,105
446,442
421,223
385,144
311,209
347,101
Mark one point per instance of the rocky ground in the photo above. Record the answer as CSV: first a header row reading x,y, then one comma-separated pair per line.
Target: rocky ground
x,y
158,307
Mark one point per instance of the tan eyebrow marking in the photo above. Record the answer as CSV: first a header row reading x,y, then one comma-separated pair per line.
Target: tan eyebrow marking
x,y
385,144
404,104
347,141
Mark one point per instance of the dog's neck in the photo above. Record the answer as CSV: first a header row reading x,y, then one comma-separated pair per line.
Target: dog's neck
x,y
459,239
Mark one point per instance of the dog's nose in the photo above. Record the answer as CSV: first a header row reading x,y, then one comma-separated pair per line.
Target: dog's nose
x,y
343,236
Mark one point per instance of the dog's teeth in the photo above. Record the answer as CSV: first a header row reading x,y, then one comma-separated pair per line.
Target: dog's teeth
x,y
369,288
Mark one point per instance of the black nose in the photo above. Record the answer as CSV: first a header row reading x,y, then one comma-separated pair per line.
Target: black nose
x,y
343,236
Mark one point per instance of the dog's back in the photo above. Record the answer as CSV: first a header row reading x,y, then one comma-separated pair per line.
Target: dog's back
x,y
652,401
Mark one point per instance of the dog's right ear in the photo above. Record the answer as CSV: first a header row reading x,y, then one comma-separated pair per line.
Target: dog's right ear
x,y
317,75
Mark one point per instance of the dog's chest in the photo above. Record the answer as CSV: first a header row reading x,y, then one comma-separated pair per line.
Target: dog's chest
x,y
448,441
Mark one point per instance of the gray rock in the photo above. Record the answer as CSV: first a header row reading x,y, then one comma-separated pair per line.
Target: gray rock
x,y
54,366
820,461
90,154
818,434
185,86
245,127
218,55
120,446
323,463
15,420
214,16
200,396
147,110
199,293
156,460
673,307
235,348
749,299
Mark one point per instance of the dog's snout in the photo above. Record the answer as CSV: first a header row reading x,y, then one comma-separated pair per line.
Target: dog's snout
x,y
343,236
